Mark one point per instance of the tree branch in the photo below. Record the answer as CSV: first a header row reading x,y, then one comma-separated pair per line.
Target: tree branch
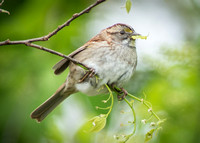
x,y
29,43
2,10
67,23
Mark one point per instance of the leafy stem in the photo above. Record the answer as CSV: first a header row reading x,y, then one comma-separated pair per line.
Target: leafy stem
x,y
134,117
110,97
156,126
146,104
97,123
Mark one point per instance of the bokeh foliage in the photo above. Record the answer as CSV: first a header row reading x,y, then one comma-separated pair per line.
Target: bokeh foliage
x,y
26,79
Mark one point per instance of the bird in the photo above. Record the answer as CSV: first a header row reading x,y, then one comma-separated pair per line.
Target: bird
x,y
111,55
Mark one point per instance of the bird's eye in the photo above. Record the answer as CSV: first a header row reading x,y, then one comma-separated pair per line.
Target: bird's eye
x,y
122,32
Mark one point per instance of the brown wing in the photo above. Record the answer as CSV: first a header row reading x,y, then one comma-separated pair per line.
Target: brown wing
x,y
96,40
64,63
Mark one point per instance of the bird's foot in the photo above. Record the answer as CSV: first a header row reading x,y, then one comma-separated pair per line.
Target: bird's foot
x,y
122,94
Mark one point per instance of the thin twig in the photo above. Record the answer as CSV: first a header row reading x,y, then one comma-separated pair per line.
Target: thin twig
x,y
29,43
45,49
57,53
67,23
1,2
2,10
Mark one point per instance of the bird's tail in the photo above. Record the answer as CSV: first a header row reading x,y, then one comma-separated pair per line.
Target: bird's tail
x,y
50,104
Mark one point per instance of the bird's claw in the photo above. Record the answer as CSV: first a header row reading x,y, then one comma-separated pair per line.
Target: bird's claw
x,y
122,94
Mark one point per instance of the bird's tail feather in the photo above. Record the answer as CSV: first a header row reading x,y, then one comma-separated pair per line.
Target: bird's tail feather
x,y
50,104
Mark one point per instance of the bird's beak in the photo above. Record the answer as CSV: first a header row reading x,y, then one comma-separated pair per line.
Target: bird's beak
x,y
136,34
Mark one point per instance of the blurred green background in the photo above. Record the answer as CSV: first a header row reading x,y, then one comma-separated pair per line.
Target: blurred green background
x,y
169,75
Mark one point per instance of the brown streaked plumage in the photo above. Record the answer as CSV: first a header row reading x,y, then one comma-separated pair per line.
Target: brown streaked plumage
x,y
111,53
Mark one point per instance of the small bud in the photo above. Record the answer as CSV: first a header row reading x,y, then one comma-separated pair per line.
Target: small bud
x,y
116,137
144,121
150,110
153,124
93,123
131,122
102,115
123,136
104,101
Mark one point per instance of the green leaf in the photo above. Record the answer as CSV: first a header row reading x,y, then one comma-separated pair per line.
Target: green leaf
x,y
139,37
149,135
96,124
128,5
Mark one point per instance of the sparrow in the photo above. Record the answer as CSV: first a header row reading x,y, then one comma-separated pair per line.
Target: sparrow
x,y
112,56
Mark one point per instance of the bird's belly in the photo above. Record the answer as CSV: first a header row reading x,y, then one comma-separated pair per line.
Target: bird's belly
x,y
109,73
112,67
117,73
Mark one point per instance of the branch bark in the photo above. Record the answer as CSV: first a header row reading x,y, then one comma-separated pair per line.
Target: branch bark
x,y
29,42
